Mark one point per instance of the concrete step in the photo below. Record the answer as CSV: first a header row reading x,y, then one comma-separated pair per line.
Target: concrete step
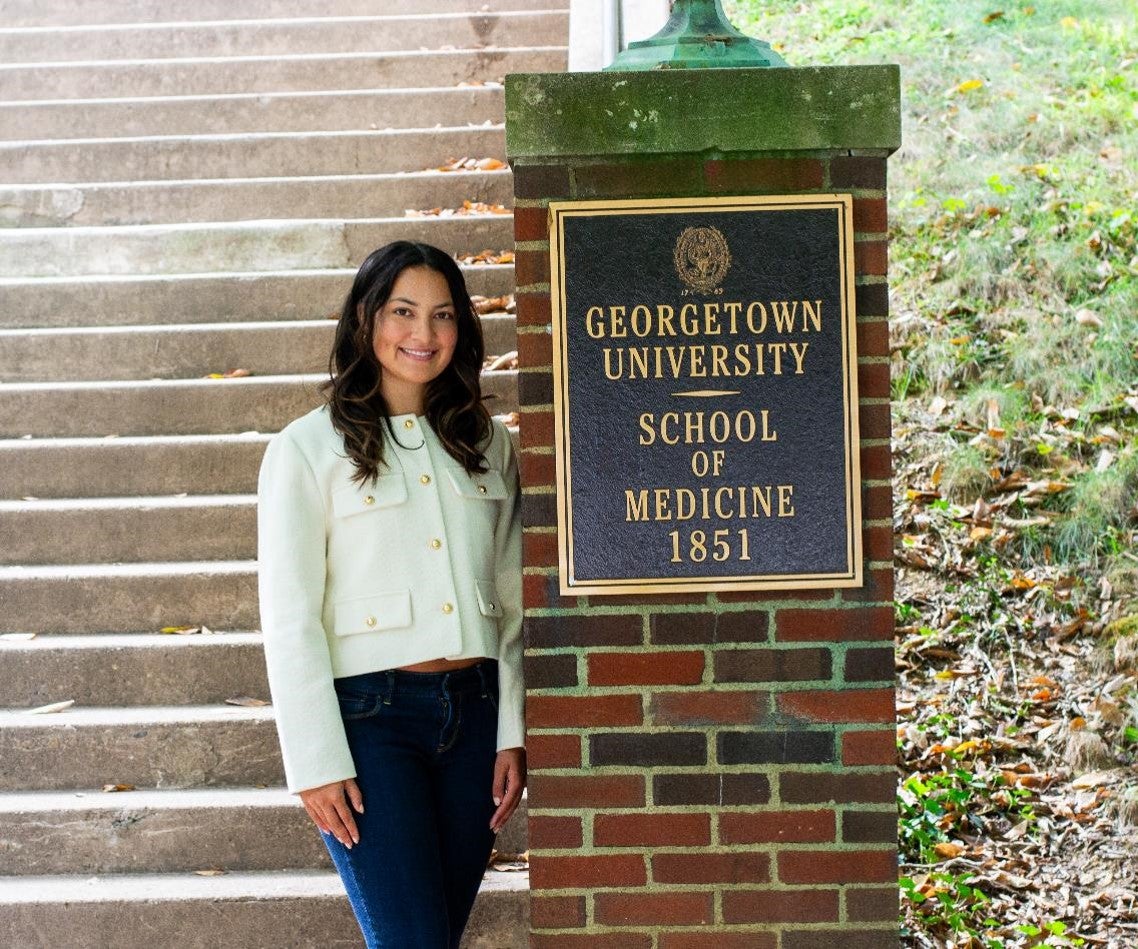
x,y
240,910
188,350
127,529
131,669
229,199
137,597
181,406
140,465
338,110
259,155
135,299
31,13
285,37
49,832
157,746
241,245
299,73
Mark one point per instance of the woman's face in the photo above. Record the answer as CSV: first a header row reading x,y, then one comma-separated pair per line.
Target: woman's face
x,y
416,332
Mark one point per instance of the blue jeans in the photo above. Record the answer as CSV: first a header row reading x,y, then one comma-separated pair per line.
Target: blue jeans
x,y
424,748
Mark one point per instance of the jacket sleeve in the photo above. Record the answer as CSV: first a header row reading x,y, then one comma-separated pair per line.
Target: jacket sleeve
x,y
508,580
290,579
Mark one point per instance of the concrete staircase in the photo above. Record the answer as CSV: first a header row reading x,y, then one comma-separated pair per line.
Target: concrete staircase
x,y
187,189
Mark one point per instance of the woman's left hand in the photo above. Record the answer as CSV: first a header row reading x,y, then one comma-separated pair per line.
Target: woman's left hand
x,y
509,781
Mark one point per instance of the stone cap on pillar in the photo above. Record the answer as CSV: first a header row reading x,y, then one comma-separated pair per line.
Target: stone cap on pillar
x,y
719,111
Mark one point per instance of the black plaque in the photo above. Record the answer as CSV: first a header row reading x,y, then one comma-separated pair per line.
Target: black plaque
x,y
705,394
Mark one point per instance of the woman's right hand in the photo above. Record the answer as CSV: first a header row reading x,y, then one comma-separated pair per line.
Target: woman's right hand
x,y
328,807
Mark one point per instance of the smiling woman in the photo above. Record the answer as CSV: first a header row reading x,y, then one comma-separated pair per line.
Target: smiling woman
x,y
389,548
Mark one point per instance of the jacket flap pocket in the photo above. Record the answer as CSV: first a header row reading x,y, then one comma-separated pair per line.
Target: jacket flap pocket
x,y
488,602
390,609
355,499
487,487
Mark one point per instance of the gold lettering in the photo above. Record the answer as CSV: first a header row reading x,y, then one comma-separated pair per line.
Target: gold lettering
x,y
664,420
595,329
785,313
638,356
685,504
799,354
619,365
711,319
719,361
762,325
768,434
698,370
649,436
642,311
689,326
616,317
635,506
663,512
742,360
733,310
665,314
718,509
785,497
777,349
761,499
813,313
693,423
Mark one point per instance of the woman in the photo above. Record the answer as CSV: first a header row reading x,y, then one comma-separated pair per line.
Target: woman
x,y
389,547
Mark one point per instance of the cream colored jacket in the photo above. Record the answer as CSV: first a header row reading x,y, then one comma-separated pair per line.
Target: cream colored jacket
x,y
423,564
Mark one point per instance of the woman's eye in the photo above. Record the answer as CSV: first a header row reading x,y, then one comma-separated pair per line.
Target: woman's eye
x,y
444,315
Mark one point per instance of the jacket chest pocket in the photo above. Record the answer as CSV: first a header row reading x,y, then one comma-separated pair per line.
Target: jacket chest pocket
x,y
477,487
388,491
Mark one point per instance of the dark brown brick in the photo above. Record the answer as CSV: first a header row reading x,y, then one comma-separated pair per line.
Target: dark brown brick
x,y
873,380
609,790
710,939
874,787
781,906
647,750
846,938
550,671
763,175
654,829
772,665
542,590
552,632
535,388
539,510
616,940
872,300
844,866
872,904
858,172
636,179
683,908
681,629
726,789
870,257
742,626
656,599
556,912
541,181
869,665
779,747
869,827
878,542
778,827
875,421
877,502
555,833
877,587
532,266
740,866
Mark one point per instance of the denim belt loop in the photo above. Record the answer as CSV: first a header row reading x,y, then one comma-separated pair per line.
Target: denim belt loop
x,y
390,692
481,667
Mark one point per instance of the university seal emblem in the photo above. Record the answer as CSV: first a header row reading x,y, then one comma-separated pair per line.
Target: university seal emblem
x,y
702,258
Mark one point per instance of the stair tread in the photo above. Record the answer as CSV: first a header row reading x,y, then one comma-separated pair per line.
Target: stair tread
x,y
129,503
24,802
139,569
134,641
89,716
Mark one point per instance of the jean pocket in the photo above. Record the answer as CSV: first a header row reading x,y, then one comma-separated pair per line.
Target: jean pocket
x,y
355,705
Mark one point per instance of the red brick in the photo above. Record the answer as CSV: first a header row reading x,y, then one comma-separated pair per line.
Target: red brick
x,y
532,224
825,866
638,178
556,912
653,829
609,790
869,747
539,550
873,337
583,711
708,708
780,906
618,940
554,833
542,590
873,381
875,421
534,309
595,870
738,867
535,349
552,751
870,257
800,827
870,215
877,542
845,705
758,596
646,668
656,599
535,430
717,940
532,266
758,175
871,623
876,464
846,937
653,909
852,787
538,471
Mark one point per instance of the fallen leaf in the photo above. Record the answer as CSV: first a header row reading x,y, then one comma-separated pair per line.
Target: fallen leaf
x,y
948,851
970,85
211,872
53,707
118,787
16,637
245,700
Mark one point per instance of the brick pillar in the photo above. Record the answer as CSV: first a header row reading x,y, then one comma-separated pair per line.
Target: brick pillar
x,y
708,770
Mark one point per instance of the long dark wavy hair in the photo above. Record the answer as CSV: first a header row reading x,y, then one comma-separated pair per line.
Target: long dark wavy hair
x,y
454,404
